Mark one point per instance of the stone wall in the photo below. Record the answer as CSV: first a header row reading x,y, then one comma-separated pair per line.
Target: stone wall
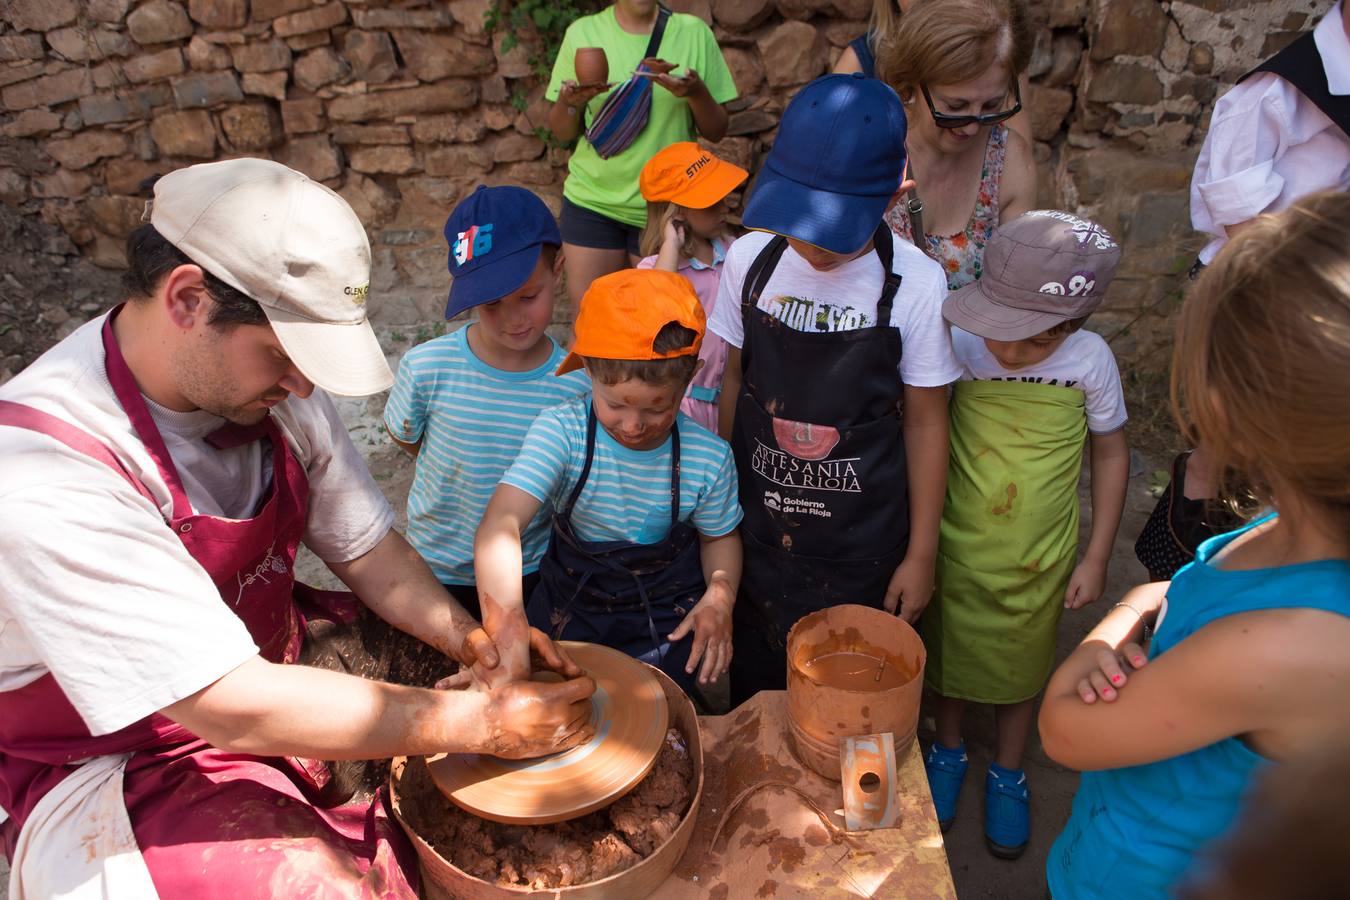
x,y
405,106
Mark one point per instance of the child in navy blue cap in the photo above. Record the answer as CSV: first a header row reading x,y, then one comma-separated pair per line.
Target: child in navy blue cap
x,y
463,402
835,394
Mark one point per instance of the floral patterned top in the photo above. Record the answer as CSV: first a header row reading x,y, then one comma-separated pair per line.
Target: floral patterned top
x,y
962,254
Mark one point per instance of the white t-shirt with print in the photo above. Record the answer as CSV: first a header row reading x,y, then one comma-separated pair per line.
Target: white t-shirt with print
x,y
95,587
844,299
1083,362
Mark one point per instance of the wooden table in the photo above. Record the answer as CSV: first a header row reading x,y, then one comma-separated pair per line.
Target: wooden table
x,y
775,845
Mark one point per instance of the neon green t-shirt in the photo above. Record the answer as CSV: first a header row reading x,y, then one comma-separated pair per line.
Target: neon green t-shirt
x,y
610,186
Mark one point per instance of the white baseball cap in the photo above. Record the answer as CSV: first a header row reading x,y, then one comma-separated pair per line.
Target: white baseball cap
x,y
292,245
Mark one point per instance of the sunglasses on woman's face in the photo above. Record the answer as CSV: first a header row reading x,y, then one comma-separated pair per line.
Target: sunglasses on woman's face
x,y
946,120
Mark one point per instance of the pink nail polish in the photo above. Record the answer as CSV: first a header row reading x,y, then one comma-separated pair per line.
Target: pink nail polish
x,y
1117,679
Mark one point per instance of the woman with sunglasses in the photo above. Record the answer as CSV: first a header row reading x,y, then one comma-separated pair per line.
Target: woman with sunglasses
x,y
860,53
956,64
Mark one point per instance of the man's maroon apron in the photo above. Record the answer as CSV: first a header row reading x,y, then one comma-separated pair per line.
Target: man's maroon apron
x,y
210,823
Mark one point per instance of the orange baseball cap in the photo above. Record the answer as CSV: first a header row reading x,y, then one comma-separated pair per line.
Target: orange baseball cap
x,y
686,174
621,314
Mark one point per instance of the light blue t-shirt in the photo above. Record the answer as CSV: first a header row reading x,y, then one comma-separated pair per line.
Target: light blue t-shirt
x,y
1134,832
627,493
472,419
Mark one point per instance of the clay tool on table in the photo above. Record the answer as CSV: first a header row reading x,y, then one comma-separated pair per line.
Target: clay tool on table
x,y
867,772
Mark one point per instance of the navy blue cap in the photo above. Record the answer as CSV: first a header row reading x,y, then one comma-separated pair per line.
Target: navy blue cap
x,y
834,166
495,235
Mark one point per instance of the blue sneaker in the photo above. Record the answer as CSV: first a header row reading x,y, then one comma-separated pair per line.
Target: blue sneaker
x,y
1007,811
946,768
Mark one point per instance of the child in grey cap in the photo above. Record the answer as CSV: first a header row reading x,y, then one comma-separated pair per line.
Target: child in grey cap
x,y
1035,386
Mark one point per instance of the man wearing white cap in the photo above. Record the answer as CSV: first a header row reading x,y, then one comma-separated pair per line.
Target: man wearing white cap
x,y
161,466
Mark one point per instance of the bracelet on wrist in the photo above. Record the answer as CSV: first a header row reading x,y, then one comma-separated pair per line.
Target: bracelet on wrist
x,y
1148,629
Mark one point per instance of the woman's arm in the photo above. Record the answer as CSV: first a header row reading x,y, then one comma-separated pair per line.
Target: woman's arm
x,y
1017,189
710,117
565,115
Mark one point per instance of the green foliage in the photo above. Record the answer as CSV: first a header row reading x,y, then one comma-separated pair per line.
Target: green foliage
x,y
540,24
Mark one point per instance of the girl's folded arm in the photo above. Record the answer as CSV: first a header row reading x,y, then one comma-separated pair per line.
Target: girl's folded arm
x,y
1231,678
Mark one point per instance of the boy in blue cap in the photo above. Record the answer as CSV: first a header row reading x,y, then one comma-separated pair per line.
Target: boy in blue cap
x,y
840,438
463,402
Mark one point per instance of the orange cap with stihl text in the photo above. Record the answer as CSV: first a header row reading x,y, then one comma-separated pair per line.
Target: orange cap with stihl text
x,y
686,174
622,313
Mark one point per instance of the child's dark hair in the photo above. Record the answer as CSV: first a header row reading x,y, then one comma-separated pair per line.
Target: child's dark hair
x,y
1068,326
672,336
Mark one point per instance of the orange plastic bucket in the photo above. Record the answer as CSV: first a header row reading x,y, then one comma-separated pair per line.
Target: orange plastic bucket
x,y
851,670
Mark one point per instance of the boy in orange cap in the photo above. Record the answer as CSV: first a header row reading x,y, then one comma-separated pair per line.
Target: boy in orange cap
x,y
645,556
686,188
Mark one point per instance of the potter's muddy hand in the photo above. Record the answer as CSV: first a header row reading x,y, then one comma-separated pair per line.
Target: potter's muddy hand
x,y
529,718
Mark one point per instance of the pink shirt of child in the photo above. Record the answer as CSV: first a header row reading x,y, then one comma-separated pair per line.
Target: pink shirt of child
x,y
700,403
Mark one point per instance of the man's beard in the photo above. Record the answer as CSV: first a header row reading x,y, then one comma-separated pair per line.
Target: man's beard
x,y
201,383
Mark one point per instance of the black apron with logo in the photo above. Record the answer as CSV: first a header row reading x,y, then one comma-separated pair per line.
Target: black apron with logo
x,y
621,594
821,459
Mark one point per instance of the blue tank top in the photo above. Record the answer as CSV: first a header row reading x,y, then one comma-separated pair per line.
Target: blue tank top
x,y
1135,831
862,46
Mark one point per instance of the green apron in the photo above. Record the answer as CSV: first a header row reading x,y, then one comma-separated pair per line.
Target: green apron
x,y
1009,539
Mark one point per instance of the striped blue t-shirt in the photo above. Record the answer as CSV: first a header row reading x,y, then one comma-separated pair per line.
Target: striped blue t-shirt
x,y
472,419
627,493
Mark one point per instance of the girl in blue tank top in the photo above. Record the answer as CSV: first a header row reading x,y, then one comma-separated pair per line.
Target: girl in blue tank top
x,y
1248,666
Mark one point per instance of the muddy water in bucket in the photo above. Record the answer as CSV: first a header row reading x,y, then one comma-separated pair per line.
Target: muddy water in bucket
x,y
851,670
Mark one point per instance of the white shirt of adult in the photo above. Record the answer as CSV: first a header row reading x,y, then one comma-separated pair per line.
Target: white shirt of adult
x,y
96,589
1268,145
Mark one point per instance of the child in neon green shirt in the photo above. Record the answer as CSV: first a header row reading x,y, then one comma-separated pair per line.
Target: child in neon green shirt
x,y
603,210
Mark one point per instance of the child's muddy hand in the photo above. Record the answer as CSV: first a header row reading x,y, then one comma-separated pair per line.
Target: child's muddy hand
x,y
530,718
710,621
478,648
545,654
1085,584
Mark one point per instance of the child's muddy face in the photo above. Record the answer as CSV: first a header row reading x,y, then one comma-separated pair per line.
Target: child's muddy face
x,y
1014,355
635,413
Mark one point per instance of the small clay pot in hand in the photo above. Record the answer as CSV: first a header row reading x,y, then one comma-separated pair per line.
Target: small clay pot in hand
x,y
592,66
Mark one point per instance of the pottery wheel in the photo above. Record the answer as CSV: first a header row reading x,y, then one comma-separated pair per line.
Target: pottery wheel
x,y
630,716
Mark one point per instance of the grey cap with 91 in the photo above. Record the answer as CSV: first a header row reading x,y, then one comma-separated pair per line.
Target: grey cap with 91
x,y
1040,269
